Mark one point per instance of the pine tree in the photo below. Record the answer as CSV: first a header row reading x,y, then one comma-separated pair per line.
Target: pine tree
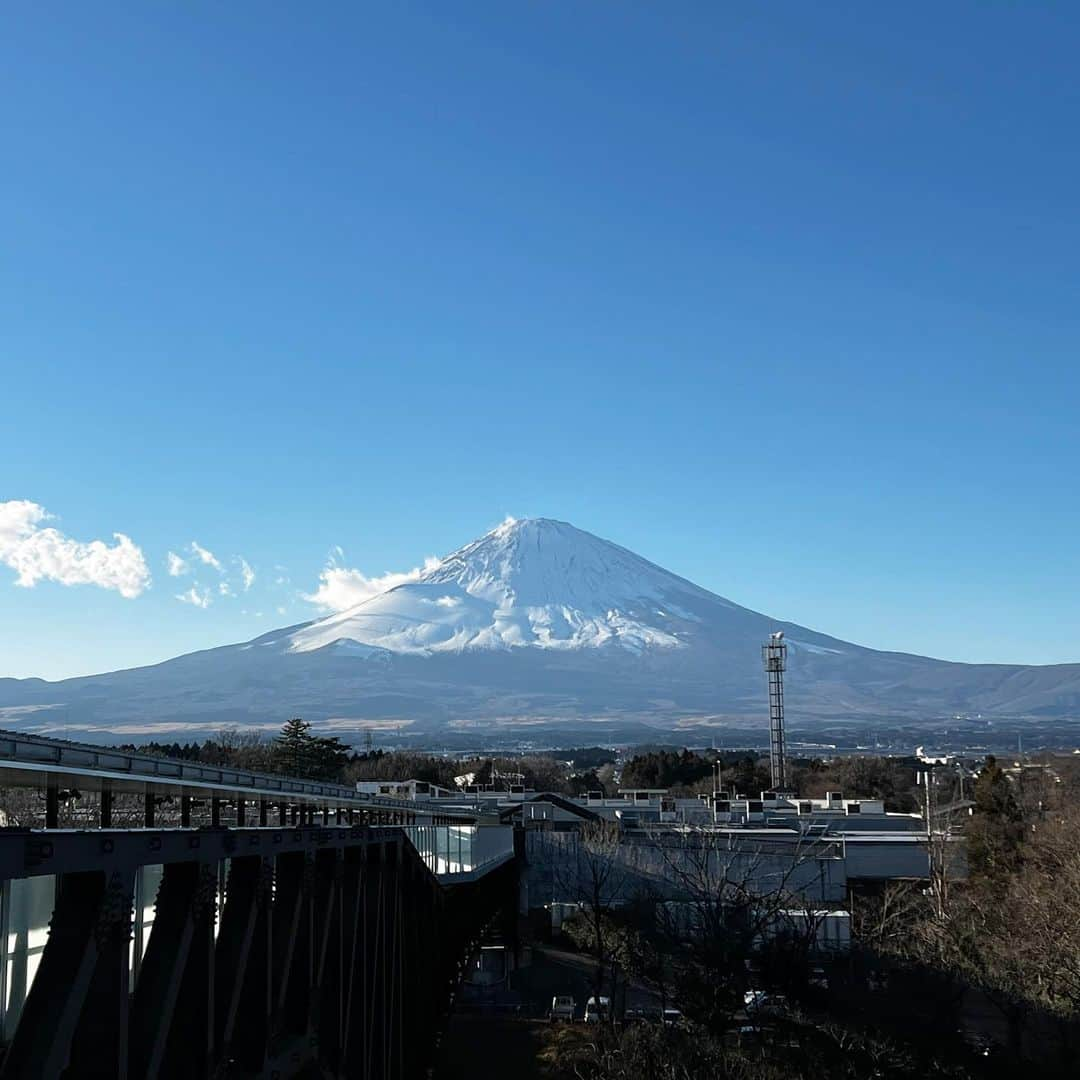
x,y
327,758
293,747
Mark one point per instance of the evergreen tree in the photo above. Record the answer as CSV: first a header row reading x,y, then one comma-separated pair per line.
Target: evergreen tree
x,y
293,747
327,758
298,752
996,831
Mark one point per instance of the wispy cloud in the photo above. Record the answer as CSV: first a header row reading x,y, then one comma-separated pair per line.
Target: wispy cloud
x,y
36,552
341,588
207,557
224,589
199,598
247,575
177,566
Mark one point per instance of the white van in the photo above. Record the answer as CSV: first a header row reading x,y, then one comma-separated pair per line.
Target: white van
x,y
562,1008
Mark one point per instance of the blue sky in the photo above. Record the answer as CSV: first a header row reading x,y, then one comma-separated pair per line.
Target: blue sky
x,y
781,296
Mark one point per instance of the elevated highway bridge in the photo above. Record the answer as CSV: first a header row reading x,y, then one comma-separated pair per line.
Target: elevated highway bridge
x,y
235,923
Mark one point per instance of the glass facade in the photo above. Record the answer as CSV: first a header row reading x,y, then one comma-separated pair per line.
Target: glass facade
x,y
26,906
460,849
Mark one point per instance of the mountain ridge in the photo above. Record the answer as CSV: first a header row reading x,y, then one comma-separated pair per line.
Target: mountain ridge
x,y
535,625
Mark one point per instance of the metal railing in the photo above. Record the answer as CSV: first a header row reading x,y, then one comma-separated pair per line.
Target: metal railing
x,y
38,753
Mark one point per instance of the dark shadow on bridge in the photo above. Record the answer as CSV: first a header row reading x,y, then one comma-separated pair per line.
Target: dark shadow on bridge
x,y
329,952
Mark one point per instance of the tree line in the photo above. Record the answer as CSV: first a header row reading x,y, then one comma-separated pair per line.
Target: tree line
x,y
295,751
1007,932
298,750
691,772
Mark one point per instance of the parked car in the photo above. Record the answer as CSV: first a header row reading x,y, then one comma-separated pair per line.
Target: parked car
x,y
562,1008
763,1003
652,1014
596,1011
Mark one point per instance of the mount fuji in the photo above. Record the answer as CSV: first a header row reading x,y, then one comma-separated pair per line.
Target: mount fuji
x,y
537,626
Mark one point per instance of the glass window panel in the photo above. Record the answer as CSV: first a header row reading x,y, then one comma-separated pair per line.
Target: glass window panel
x,y
29,903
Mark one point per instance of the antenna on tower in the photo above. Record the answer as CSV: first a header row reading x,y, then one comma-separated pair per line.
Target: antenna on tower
x,y
774,657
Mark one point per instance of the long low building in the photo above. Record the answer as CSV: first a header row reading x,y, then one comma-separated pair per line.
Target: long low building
x,y
861,843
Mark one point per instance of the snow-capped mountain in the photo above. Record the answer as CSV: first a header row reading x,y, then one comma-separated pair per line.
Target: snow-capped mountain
x,y
535,583
535,626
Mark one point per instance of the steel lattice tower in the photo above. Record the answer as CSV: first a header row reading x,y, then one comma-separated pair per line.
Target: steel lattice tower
x,y
774,656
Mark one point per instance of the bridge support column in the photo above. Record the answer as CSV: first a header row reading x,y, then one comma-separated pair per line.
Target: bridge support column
x,y
52,803
105,818
241,962
291,938
350,1015
84,963
327,991
171,1018
381,996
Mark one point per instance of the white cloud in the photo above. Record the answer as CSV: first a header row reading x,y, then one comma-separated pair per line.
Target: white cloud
x,y
207,557
247,574
281,611
200,599
341,588
224,589
37,553
177,566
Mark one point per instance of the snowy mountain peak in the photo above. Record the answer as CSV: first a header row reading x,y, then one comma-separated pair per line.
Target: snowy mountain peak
x,y
535,582
540,561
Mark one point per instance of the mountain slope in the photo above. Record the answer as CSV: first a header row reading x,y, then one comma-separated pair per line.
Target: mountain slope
x,y
533,583
536,624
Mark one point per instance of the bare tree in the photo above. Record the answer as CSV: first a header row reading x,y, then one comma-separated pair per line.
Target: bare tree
x,y
588,871
732,899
